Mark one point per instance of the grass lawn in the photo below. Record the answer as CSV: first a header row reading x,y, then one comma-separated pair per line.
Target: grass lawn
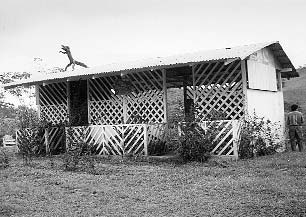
x,y
266,186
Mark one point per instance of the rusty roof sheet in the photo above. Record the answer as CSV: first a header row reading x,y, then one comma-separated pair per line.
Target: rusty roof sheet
x,y
240,52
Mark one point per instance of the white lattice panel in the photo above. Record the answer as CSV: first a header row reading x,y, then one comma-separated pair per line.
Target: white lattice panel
x,y
56,139
74,135
156,132
113,139
106,112
55,114
148,106
142,102
26,135
53,102
134,138
226,140
218,87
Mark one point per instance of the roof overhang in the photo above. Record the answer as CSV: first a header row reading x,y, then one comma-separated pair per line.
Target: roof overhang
x,y
227,55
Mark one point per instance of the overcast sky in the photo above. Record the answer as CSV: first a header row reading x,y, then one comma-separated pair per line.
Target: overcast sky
x,y
106,31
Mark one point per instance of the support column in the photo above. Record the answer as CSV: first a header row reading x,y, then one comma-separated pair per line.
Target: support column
x,y
165,95
47,141
68,101
37,99
244,84
88,104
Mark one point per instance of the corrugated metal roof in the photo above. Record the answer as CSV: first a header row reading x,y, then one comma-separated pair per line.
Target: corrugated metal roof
x,y
240,52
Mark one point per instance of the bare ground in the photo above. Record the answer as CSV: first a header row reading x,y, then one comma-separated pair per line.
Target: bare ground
x,y
266,186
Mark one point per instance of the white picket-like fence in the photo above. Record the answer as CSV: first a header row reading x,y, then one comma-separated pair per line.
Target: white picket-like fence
x,y
124,139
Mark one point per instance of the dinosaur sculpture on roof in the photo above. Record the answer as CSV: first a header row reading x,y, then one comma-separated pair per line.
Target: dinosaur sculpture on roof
x,y
73,62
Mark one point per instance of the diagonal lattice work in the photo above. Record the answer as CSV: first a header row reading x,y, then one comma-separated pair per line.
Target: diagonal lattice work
x,y
106,111
53,103
110,139
134,98
147,106
51,139
156,133
29,135
227,137
218,87
55,114
56,139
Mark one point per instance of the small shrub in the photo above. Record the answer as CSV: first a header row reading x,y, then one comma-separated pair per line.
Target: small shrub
x,y
195,143
31,134
79,154
259,137
4,160
30,144
157,147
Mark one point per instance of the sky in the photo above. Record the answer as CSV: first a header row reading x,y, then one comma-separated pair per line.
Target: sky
x,y
107,31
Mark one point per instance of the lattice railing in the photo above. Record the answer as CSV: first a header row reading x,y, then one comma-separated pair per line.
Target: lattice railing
x,y
218,87
52,139
53,102
226,133
55,140
156,133
112,139
143,100
28,134
227,137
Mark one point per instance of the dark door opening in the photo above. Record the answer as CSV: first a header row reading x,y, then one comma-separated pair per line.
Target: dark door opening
x,y
78,108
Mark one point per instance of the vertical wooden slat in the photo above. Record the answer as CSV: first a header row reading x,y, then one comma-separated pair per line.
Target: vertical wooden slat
x,y
88,103
165,95
125,116
47,141
68,100
193,83
244,84
235,125
37,99
145,126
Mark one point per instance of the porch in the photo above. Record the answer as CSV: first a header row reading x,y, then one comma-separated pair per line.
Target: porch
x,y
127,112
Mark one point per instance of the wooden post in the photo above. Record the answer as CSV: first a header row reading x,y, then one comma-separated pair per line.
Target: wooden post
x,y
235,126
68,101
193,85
66,138
145,126
16,137
244,85
37,99
124,107
185,96
165,95
88,104
47,141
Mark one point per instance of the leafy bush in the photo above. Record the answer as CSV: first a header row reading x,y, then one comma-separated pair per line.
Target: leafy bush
x,y
79,154
195,143
259,137
4,160
157,147
31,134
30,144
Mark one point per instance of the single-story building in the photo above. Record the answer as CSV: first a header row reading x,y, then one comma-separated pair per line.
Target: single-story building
x,y
123,107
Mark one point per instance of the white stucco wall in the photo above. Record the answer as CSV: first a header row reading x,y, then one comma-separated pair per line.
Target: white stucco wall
x,y
263,96
266,104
